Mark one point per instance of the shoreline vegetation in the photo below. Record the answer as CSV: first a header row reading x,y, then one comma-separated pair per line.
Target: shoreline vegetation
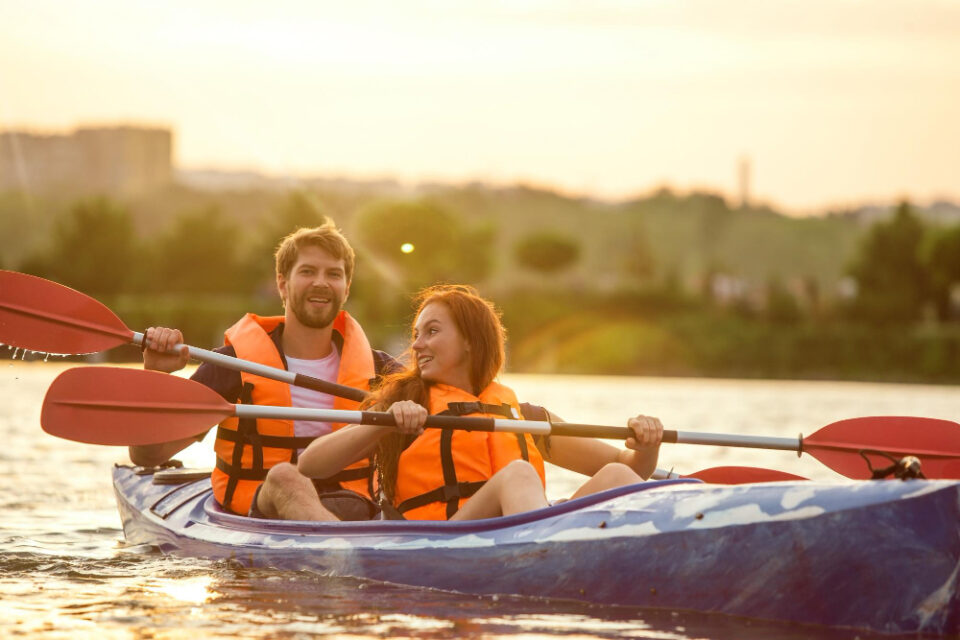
x,y
664,285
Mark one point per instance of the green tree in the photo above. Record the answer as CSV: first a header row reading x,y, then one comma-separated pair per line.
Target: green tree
x,y
637,261
426,242
891,278
199,254
941,256
93,248
782,306
547,252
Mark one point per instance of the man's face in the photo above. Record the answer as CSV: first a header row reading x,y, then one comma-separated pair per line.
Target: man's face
x,y
316,288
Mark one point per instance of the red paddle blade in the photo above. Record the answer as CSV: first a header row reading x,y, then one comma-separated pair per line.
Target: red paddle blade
x,y
41,315
935,442
742,475
115,406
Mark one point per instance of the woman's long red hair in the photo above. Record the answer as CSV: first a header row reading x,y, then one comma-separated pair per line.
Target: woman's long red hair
x,y
478,322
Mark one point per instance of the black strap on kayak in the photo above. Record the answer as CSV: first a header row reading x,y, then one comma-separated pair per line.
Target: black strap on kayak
x,y
905,468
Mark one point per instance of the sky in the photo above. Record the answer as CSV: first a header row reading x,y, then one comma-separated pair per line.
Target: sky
x,y
832,103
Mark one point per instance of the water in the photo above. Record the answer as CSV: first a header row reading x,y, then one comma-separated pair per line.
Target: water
x,y
65,571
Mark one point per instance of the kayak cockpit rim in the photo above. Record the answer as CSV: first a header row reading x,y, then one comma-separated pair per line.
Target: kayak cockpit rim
x,y
217,515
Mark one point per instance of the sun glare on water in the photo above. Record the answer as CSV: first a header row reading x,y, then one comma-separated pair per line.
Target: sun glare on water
x,y
191,590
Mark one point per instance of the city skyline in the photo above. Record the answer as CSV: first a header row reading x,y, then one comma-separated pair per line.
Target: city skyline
x,y
833,103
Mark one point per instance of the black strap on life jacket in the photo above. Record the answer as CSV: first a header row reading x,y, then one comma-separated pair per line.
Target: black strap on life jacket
x,y
505,410
453,490
536,412
468,408
333,482
273,442
246,435
244,428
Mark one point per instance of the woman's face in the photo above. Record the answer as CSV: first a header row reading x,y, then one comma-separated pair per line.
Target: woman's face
x,y
443,354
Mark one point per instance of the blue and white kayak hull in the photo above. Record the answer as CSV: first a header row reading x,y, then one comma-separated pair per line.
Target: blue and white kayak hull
x,y
880,555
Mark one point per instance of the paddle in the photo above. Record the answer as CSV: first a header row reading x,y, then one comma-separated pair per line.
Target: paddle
x,y
114,406
40,315
732,475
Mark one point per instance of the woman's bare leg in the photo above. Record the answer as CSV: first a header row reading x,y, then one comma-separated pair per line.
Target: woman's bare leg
x,y
514,489
610,475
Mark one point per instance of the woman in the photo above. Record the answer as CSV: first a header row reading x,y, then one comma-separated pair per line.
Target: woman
x,y
434,474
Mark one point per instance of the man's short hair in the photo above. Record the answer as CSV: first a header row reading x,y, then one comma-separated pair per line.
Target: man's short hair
x,y
326,237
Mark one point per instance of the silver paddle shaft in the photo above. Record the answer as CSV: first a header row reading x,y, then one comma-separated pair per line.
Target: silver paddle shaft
x,y
385,419
264,371
733,440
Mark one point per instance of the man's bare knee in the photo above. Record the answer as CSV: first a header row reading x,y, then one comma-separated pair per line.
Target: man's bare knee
x,y
283,484
286,477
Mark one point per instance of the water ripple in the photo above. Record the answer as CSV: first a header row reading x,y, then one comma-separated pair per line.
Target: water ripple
x,y
66,572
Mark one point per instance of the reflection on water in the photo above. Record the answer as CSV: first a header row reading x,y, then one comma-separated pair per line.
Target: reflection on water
x,y
189,590
65,571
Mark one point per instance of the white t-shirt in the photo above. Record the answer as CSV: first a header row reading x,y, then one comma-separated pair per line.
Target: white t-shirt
x,y
324,369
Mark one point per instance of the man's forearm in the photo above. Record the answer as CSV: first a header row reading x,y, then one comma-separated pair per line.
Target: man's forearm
x,y
328,455
152,455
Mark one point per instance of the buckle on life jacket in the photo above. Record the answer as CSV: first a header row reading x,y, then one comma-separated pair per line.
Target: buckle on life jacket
x,y
467,408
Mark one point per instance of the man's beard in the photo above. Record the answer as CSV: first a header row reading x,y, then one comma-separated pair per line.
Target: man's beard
x,y
315,319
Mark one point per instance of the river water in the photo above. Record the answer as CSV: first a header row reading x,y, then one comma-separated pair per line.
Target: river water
x,y
66,572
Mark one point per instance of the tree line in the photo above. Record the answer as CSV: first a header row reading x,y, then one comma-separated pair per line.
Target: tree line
x,y
903,269
200,268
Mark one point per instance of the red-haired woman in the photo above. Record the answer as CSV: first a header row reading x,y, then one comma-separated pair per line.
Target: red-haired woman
x,y
434,474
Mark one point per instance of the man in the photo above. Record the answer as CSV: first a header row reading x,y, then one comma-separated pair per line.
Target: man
x,y
256,470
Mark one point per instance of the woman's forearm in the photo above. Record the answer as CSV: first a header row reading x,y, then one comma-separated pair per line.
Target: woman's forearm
x,y
582,455
330,454
643,461
587,456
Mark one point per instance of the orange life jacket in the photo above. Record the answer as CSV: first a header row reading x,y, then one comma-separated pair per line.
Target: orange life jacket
x,y
442,468
246,449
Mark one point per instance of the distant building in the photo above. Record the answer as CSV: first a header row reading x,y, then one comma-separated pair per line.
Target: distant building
x,y
122,160
726,289
744,180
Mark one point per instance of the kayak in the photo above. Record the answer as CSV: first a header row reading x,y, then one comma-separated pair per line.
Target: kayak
x,y
874,555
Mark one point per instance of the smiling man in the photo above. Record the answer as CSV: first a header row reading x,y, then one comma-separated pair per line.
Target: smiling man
x,y
256,470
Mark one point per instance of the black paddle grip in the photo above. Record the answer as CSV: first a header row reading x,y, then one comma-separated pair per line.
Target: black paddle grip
x,y
334,389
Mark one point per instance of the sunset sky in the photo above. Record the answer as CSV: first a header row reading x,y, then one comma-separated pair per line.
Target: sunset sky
x,y
835,102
